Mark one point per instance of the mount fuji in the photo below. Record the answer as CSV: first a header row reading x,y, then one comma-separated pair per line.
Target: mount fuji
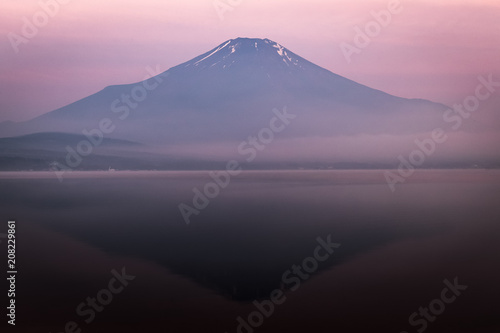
x,y
217,100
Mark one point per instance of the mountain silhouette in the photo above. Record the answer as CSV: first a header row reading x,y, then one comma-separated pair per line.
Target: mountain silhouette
x,y
229,93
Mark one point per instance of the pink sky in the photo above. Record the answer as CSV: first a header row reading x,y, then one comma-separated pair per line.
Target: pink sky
x,y
431,49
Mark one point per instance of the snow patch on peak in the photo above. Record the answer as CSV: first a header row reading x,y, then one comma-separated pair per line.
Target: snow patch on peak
x,y
214,52
280,49
284,54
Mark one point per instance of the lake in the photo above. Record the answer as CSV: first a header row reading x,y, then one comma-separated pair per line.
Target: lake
x,y
270,251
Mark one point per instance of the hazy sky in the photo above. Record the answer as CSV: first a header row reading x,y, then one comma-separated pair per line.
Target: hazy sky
x,y
430,49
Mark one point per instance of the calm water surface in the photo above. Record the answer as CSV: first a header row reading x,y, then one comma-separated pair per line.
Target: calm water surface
x,y
395,250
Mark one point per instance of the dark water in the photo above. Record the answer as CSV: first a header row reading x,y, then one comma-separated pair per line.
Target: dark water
x,y
396,249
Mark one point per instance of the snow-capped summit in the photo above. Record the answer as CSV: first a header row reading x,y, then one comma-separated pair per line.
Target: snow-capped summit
x,y
244,50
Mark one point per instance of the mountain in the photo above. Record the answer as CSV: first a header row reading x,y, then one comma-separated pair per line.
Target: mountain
x,y
227,94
